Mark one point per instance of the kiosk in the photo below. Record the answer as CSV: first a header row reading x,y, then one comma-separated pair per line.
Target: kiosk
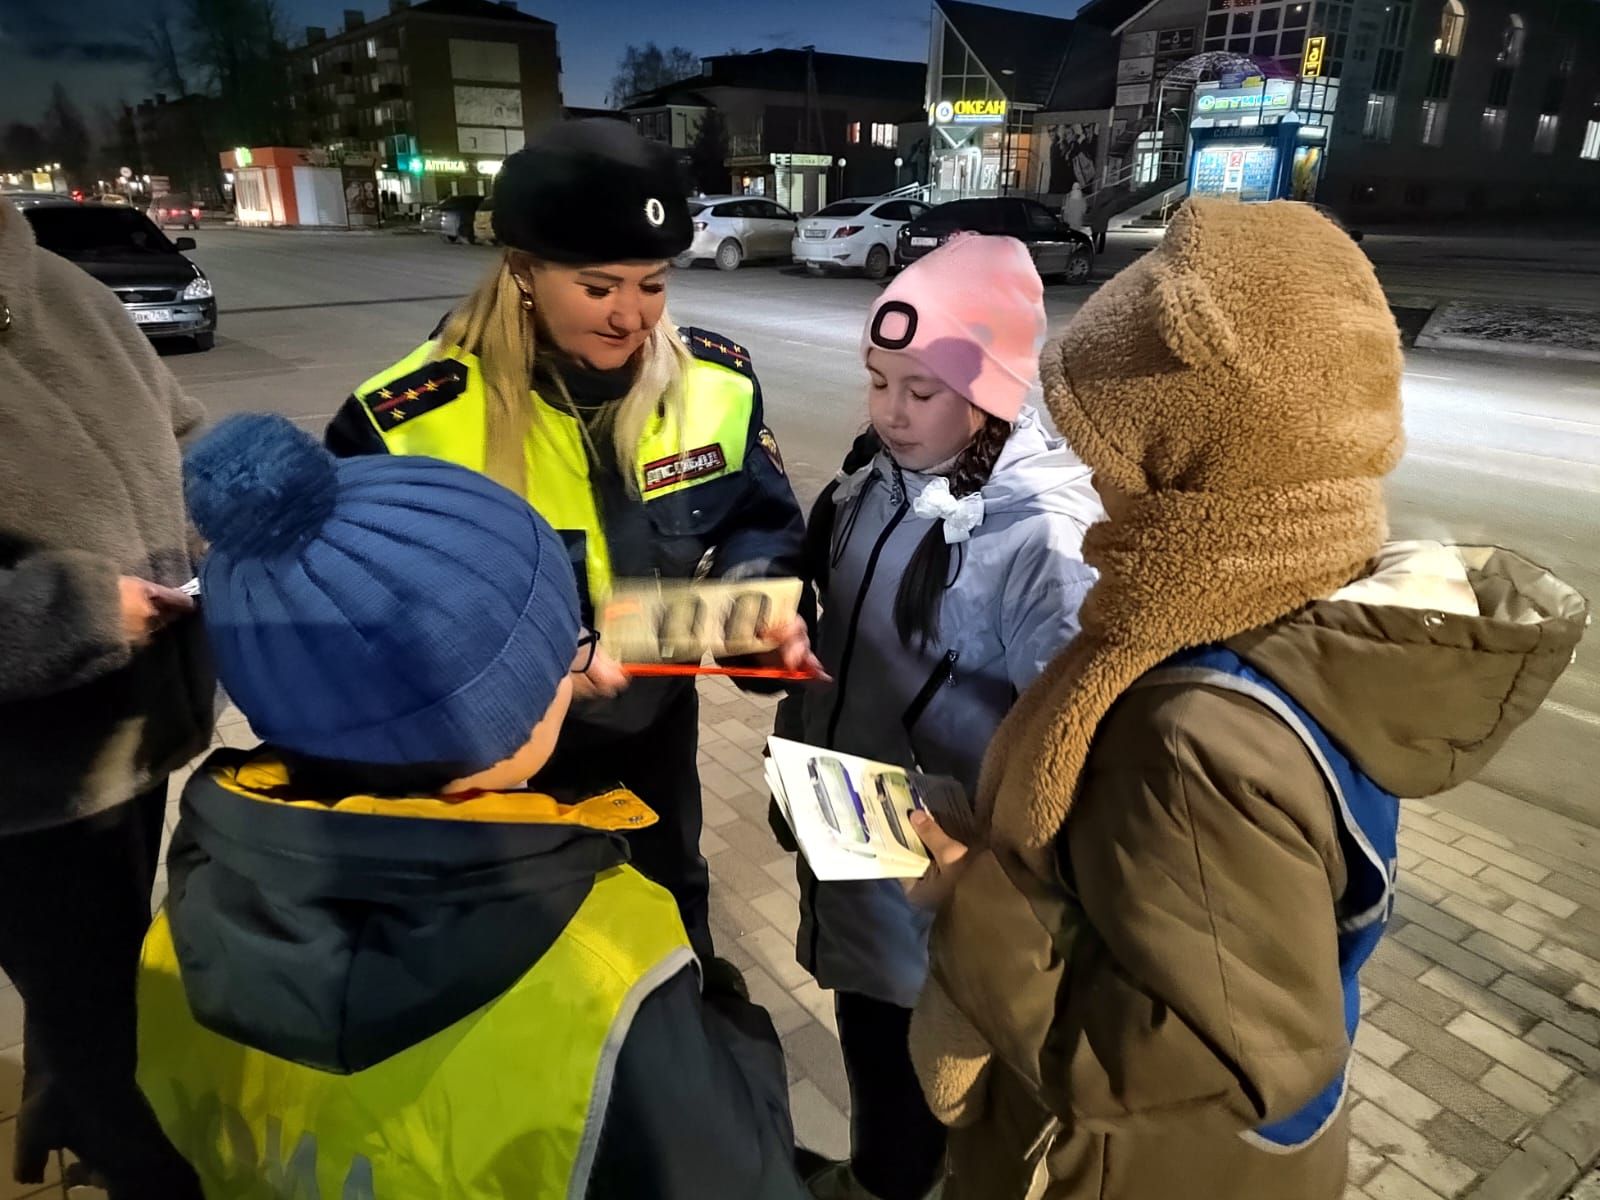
x,y
1247,141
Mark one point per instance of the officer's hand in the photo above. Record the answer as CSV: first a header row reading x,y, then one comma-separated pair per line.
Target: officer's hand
x,y
604,679
944,872
792,651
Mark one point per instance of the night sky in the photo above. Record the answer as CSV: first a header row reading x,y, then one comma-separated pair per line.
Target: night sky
x,y
92,45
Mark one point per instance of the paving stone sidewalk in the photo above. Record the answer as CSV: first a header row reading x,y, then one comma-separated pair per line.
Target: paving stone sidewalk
x,y
1477,1070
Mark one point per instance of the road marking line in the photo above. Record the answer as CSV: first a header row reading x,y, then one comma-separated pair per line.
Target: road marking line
x,y
1528,416
1421,375
1577,714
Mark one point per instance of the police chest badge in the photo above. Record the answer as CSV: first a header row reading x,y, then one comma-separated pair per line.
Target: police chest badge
x,y
770,445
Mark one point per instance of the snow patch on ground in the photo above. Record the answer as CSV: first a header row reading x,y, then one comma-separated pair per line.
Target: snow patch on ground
x,y
1552,331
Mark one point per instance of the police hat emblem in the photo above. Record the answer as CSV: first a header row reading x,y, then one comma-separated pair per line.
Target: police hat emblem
x,y
655,212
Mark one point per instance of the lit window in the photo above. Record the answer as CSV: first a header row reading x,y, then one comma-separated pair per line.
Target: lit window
x,y
372,47
1544,134
1379,124
1494,128
853,134
1433,117
1452,29
1591,142
884,135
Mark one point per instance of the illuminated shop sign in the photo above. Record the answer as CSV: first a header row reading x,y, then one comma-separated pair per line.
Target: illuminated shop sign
x,y
1275,96
444,166
968,112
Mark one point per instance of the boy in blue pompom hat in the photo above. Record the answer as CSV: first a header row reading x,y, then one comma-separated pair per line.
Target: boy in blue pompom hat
x,y
386,968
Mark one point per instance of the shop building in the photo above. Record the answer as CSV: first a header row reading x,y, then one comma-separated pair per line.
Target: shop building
x,y
297,188
800,127
1015,102
1382,109
432,96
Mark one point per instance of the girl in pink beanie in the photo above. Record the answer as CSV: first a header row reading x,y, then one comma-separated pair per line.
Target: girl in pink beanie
x,y
946,559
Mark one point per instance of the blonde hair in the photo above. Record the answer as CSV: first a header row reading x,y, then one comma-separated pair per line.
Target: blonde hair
x,y
492,324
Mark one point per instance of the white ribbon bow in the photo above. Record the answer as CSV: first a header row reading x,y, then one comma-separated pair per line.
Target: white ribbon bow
x,y
960,517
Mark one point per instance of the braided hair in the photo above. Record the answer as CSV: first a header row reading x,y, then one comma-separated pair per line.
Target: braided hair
x,y
928,575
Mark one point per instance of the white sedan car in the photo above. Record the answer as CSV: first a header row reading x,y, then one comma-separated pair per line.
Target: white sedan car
x,y
730,229
854,235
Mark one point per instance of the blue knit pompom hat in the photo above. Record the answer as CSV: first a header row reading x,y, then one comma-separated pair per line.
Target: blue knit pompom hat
x,y
379,610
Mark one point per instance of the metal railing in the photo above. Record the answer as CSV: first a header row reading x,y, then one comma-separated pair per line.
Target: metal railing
x,y
911,191
1167,168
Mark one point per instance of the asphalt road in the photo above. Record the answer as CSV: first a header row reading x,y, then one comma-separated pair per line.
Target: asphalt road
x,y
1501,451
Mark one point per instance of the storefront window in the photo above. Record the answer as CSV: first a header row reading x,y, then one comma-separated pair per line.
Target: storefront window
x,y
1544,134
1433,118
1379,123
1494,128
1591,142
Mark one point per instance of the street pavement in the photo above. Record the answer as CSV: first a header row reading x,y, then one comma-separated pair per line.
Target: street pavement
x,y
1477,1072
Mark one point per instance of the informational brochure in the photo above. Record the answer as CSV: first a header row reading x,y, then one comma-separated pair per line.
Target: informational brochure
x,y
851,816
678,620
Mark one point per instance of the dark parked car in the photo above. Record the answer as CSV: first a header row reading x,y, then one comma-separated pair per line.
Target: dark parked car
x,y
1058,250
25,198
164,293
451,218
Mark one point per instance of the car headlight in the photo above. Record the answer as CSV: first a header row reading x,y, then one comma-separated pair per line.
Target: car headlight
x,y
198,289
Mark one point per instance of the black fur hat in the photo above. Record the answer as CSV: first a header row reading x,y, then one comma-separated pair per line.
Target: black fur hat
x,y
592,191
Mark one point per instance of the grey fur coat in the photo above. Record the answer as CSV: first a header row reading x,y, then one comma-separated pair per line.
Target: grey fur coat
x,y
90,489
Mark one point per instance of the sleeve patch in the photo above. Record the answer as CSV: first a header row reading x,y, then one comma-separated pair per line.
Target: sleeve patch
x,y
770,445
714,348
418,392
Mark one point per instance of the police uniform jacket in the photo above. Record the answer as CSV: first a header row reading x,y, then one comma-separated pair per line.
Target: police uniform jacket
x,y
714,494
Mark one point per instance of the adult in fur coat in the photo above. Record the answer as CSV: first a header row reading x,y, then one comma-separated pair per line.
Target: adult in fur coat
x,y
1145,984
105,689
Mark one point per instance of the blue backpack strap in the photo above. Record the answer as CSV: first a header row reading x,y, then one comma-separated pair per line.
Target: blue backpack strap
x,y
1368,820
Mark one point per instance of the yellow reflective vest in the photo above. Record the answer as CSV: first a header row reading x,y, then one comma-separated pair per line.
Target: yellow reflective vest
x,y
433,403
505,1104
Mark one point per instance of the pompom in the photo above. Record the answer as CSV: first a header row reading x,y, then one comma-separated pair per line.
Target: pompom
x,y
256,485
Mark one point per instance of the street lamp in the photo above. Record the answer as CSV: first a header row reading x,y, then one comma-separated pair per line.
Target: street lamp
x,y
898,163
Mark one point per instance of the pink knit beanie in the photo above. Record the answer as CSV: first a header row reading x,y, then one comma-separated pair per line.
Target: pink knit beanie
x,y
972,312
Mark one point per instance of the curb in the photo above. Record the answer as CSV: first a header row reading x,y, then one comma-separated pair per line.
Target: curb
x,y
1554,1155
1450,341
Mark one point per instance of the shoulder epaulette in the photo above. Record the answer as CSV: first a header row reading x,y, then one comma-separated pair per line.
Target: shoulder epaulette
x,y
408,396
714,348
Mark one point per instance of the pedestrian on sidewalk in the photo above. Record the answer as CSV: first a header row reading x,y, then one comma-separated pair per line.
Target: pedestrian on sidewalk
x,y
563,378
1075,208
948,562
105,689
386,967
1144,982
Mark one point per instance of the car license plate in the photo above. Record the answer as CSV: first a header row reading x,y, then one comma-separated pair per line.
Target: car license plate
x,y
816,233
152,316
924,241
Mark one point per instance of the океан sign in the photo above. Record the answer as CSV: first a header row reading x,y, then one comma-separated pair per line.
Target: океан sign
x,y
967,112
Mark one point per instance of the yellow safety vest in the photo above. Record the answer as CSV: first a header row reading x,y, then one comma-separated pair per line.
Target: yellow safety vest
x,y
505,1104
403,404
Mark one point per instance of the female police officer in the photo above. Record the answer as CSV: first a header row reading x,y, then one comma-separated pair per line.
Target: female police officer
x,y
562,378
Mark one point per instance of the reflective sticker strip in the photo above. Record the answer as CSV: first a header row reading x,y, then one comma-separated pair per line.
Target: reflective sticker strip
x,y
606,1069
684,468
